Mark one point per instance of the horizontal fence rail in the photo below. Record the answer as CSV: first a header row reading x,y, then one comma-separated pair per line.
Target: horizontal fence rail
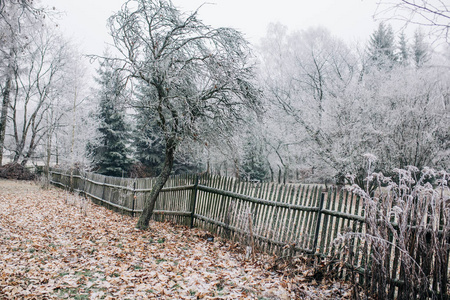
x,y
281,217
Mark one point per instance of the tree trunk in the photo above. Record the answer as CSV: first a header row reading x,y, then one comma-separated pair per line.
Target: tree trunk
x,y
19,150
30,151
149,204
3,116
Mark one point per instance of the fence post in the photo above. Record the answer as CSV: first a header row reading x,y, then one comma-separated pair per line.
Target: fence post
x,y
71,180
319,219
83,178
134,197
103,190
194,200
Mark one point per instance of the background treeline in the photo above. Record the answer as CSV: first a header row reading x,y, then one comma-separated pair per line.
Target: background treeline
x,y
324,104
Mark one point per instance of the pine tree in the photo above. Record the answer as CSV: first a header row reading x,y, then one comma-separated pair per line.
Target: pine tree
x,y
110,153
403,55
254,165
382,46
149,143
420,49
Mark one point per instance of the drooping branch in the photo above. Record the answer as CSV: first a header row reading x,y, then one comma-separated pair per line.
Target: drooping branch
x,y
198,79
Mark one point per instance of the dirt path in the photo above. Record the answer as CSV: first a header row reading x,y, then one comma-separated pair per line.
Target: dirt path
x,y
53,245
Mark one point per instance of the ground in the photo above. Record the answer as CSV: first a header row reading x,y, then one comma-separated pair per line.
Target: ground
x,y
54,245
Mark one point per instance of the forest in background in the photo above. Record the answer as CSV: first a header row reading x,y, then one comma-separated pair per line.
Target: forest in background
x,y
319,106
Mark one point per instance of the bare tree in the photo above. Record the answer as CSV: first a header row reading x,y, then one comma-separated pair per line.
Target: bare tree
x,y
430,13
43,64
304,84
70,124
330,115
16,17
200,77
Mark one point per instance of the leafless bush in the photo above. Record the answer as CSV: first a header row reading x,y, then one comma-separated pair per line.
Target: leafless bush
x,y
16,171
404,249
44,182
75,199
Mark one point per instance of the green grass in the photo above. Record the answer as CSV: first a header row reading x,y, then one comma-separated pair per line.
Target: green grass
x,y
85,272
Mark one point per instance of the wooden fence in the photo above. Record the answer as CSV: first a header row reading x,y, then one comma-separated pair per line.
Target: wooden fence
x,y
283,219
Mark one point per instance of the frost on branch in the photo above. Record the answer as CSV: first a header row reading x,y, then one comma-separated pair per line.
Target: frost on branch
x,y
198,79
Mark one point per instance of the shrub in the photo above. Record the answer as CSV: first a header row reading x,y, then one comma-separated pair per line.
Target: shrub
x,y
16,171
405,247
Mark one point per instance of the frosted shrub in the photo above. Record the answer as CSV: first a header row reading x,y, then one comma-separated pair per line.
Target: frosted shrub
x,y
404,247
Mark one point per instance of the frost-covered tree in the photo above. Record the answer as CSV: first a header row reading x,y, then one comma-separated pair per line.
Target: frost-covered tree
x,y
43,63
201,76
71,114
433,14
329,111
404,52
413,118
149,143
254,163
382,46
110,152
19,21
420,49
304,86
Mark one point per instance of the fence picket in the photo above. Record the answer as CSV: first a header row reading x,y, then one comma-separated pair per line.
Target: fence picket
x,y
310,219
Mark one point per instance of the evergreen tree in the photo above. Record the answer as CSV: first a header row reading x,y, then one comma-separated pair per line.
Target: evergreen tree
x,y
420,48
403,55
149,143
254,164
382,46
110,152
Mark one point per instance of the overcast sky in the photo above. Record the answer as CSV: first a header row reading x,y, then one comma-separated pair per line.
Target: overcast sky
x,y
352,20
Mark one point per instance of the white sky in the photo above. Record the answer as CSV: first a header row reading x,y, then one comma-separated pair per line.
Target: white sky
x,y
352,20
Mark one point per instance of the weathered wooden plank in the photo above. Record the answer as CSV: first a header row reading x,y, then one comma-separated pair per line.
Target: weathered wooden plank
x,y
221,182
324,226
262,214
304,235
239,219
203,197
327,221
281,224
318,222
297,217
257,200
229,213
310,217
109,203
172,213
337,223
286,234
224,206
